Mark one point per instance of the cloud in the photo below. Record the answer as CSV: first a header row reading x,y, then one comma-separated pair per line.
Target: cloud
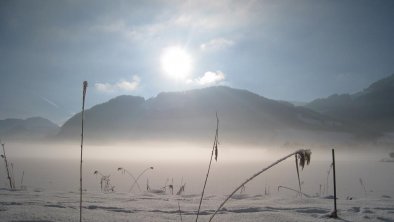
x,y
202,17
121,86
209,78
217,44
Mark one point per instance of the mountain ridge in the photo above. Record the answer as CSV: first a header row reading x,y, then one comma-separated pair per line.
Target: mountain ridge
x,y
33,128
191,114
371,108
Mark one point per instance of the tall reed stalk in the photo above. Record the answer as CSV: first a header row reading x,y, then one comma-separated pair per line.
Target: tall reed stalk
x,y
304,157
214,150
4,156
85,85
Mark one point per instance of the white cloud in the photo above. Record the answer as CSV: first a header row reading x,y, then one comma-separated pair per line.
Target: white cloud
x,y
121,86
217,44
209,78
103,87
190,15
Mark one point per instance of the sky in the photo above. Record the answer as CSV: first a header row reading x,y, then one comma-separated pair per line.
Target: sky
x,y
284,50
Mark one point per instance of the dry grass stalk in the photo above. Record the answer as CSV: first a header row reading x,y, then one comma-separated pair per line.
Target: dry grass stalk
x,y
214,150
305,157
85,85
328,176
124,171
180,212
105,182
138,177
298,192
181,189
9,175
298,173
363,186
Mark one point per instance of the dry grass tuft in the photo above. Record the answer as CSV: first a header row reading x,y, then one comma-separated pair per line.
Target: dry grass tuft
x,y
105,182
303,155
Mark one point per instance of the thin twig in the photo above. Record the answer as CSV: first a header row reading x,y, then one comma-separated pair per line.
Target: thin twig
x,y
214,149
298,192
298,173
6,166
180,212
136,180
302,152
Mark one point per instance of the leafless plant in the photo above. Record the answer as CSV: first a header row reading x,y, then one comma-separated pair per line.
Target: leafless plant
x,y
243,188
180,212
181,188
328,176
138,177
105,182
363,186
298,192
304,158
266,190
9,174
214,150
85,85
124,171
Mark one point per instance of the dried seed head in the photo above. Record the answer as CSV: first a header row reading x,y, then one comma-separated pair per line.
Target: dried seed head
x,y
2,156
96,172
151,168
216,152
305,158
120,168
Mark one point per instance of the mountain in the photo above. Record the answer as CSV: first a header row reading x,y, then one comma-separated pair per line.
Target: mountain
x,y
372,108
27,129
190,115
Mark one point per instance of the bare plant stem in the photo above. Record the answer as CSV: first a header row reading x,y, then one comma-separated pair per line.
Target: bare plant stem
x,y
180,212
334,213
138,177
298,192
85,85
298,152
131,175
23,174
214,149
6,166
298,173
12,175
328,176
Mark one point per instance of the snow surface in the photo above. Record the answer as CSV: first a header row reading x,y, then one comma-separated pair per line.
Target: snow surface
x,y
40,206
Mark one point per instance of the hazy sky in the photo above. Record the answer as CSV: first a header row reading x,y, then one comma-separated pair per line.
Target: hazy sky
x,y
288,50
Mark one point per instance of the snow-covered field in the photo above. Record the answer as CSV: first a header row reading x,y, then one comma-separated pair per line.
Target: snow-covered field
x,y
42,206
365,186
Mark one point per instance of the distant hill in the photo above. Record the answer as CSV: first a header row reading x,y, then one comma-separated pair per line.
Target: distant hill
x,y
190,115
27,129
372,108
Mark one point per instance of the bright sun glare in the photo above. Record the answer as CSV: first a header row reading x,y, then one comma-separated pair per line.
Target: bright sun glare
x,y
176,62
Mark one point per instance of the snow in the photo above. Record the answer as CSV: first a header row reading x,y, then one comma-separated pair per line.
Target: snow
x,y
29,205
52,183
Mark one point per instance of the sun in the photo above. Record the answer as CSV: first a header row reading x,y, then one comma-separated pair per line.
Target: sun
x,y
176,62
